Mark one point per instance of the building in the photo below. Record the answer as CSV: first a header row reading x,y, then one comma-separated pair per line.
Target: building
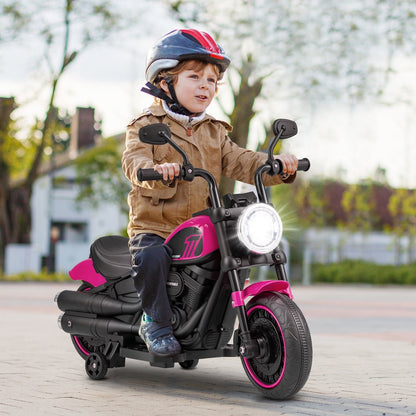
x,y
63,229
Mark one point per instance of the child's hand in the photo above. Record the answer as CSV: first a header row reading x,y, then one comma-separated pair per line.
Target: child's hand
x,y
168,170
290,164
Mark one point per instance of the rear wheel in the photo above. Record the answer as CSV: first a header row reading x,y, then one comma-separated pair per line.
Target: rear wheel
x,y
85,345
284,363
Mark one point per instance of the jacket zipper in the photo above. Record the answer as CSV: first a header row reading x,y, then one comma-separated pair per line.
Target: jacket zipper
x,y
189,130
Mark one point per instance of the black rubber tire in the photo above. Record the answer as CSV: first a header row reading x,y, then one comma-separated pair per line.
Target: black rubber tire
x,y
189,364
96,366
84,345
285,359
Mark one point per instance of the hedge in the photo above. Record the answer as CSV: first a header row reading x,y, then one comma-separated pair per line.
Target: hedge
x,y
35,277
363,272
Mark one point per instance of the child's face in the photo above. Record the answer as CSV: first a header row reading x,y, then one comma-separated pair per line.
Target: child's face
x,y
195,89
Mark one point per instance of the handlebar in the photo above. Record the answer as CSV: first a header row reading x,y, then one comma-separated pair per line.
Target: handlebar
x,y
304,164
151,175
148,175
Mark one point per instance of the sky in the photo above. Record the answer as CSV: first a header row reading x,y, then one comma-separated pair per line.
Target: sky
x,y
349,143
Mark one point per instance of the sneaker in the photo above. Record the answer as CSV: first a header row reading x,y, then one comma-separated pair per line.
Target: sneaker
x,y
159,337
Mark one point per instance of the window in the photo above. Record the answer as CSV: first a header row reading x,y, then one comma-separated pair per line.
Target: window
x,y
70,232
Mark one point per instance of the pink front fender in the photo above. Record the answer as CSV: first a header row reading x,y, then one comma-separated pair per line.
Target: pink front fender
x,y
254,289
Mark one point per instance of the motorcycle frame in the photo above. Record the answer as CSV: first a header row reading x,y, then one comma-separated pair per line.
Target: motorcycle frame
x,y
248,347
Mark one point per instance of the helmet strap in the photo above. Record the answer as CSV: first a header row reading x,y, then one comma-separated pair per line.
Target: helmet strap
x,y
175,106
149,88
172,101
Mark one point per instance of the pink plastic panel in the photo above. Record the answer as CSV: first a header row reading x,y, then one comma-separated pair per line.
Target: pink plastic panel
x,y
207,234
85,271
280,286
254,289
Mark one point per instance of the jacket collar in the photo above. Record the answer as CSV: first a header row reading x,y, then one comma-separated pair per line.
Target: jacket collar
x,y
182,118
157,110
178,128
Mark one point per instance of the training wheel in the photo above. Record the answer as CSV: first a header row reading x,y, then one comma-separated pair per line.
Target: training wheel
x,y
96,365
189,364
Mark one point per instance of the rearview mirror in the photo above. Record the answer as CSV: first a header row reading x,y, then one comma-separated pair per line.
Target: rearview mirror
x,y
158,134
155,134
285,128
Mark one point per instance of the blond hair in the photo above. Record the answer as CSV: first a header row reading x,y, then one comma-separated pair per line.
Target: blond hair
x,y
196,65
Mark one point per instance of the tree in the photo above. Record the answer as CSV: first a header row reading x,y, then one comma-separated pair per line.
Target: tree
x,y
356,203
77,24
100,176
7,105
312,52
12,19
402,206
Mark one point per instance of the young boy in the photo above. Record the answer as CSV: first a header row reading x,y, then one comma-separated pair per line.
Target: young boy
x,y
183,70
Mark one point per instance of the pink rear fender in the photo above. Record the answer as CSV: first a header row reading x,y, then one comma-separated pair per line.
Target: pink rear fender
x,y
85,271
254,289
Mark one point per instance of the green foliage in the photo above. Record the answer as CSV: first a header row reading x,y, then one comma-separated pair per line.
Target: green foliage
x,y
402,206
12,150
100,176
312,203
19,153
309,199
353,271
356,207
356,202
15,19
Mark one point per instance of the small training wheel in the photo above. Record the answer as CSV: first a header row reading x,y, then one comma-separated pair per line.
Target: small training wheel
x,y
189,364
96,365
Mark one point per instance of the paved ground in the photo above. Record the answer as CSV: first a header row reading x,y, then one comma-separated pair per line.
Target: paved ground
x,y
364,363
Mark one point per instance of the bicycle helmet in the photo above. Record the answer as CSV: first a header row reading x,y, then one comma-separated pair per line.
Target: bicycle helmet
x,y
181,45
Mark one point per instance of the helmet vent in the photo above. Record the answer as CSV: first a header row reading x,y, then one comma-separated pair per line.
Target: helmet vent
x,y
203,38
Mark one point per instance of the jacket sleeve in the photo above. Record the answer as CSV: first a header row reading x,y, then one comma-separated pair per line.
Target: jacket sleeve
x,y
241,164
138,155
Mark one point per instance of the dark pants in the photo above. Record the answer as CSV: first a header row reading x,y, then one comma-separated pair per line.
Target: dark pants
x,y
151,262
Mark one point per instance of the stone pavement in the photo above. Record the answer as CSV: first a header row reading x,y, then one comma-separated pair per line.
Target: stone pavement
x,y
364,363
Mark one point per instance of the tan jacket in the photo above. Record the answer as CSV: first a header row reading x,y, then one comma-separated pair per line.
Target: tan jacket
x,y
159,208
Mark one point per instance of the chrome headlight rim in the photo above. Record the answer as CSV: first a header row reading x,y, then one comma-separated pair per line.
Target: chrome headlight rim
x,y
260,228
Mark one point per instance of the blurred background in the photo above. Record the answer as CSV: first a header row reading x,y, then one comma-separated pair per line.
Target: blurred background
x,y
70,79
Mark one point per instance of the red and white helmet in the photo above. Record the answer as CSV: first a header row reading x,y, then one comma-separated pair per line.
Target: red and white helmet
x,y
181,45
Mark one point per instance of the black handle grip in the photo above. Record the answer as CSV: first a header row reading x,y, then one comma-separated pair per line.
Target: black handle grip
x,y
304,164
148,175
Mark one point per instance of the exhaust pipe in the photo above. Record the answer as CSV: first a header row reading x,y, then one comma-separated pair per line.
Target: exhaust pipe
x,y
69,300
96,327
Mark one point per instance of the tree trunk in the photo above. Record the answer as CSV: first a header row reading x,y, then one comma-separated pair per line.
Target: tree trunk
x,y
7,105
242,114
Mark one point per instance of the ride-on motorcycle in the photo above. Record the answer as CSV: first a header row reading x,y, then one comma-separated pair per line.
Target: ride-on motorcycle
x,y
213,253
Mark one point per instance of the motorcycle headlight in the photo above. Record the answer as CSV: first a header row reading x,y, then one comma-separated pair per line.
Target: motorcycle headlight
x,y
260,228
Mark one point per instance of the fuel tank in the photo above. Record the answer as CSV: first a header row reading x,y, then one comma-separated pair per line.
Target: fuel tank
x,y
193,241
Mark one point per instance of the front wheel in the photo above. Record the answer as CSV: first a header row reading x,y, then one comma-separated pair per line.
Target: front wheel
x,y
285,359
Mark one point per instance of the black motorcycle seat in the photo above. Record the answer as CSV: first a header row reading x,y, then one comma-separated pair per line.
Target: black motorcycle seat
x,y
111,257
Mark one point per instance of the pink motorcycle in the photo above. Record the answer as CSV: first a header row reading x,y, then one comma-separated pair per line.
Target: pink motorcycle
x,y
212,254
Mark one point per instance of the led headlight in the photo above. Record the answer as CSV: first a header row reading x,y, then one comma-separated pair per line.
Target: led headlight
x,y
260,228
